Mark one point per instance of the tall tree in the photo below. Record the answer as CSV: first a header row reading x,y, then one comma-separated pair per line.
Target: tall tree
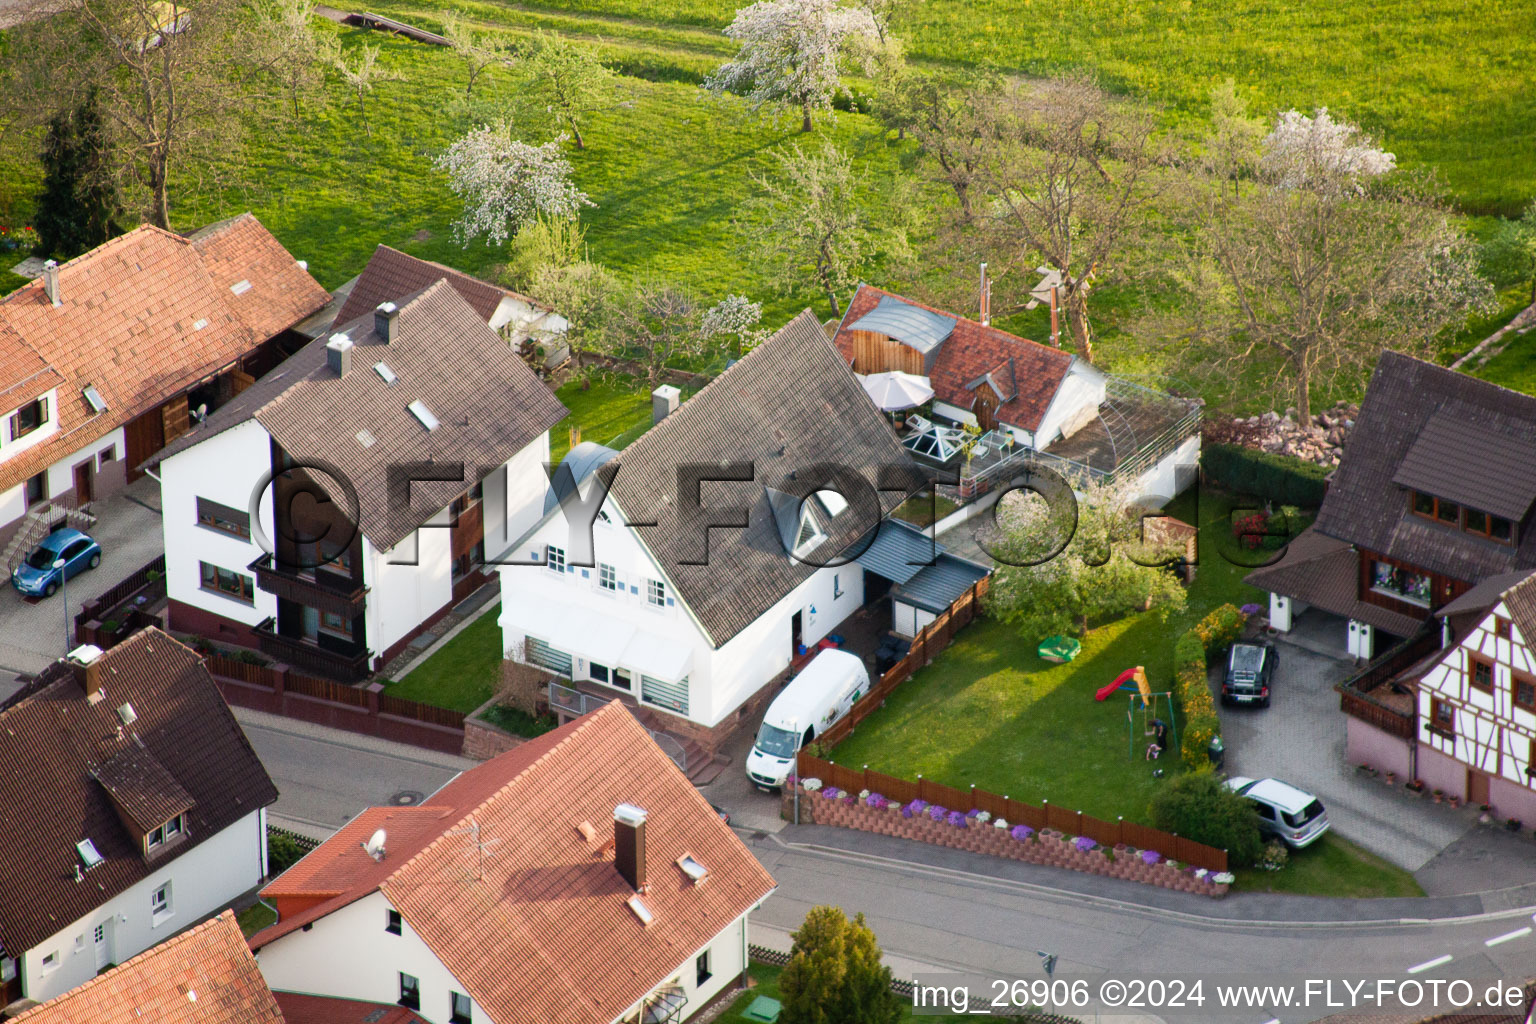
x,y
505,183
834,974
78,204
806,224
1509,257
655,323
569,81
293,51
793,53
361,71
1308,254
1061,175
477,51
944,115
739,318
585,295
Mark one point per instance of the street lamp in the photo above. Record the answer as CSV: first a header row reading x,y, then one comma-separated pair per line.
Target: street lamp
x,y
64,593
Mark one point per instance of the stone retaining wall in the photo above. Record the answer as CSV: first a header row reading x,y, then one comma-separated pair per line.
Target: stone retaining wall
x,y
1049,848
482,740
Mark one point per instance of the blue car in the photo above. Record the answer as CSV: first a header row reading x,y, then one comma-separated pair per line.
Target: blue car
x,y
36,577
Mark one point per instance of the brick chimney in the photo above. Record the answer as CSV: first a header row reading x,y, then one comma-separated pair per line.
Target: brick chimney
x,y
86,661
384,318
51,281
338,354
629,845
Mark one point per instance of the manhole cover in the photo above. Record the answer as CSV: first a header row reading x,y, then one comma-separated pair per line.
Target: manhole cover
x,y
406,798
759,835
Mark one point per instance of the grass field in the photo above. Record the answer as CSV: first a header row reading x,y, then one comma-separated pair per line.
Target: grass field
x,y
990,712
462,674
1332,866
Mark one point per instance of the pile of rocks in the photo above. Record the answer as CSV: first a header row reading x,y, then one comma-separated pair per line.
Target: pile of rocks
x,y
1320,441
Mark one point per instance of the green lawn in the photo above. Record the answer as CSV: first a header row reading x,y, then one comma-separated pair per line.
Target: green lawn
x,y
1332,866
990,713
767,978
254,918
612,411
463,673
924,509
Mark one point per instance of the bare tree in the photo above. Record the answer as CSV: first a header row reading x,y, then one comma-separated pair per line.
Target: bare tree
x,y
173,81
1061,175
478,51
943,115
806,224
293,51
569,82
361,72
656,322
1303,252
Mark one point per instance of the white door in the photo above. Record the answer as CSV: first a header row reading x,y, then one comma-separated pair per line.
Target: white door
x,y
103,952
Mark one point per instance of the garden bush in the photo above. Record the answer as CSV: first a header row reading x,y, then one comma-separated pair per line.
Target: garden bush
x,y
283,852
1218,630
1200,807
1283,479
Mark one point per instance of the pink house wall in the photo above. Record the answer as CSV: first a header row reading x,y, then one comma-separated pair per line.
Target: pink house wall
x,y
1366,744
1442,772
1510,800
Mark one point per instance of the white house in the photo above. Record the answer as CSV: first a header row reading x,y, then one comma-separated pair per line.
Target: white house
x,y
1037,398
694,624
133,805
109,356
578,878
347,500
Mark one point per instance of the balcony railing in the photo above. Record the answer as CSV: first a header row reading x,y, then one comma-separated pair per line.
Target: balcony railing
x,y
307,656
315,588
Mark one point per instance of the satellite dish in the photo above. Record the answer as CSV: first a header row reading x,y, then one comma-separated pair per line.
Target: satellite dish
x,y
202,412
375,845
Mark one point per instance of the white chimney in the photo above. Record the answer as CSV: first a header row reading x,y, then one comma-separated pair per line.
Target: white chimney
x,y
338,354
384,318
664,402
51,281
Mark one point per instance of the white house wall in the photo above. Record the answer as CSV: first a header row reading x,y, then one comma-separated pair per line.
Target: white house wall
x,y
1491,733
225,469
11,447
347,954
407,583
1161,483
203,880
1082,389
726,965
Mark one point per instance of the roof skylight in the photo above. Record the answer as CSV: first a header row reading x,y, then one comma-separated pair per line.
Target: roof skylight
x,y
94,400
240,287
88,853
423,415
641,911
385,372
692,868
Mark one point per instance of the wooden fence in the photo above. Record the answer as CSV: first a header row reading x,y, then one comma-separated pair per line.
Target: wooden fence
x,y
279,690
930,641
119,606
1046,815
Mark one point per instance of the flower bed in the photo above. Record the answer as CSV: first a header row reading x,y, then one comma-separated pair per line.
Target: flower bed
x,y
929,823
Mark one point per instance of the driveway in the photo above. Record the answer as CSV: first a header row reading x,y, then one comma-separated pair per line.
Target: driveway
x,y
1300,738
32,632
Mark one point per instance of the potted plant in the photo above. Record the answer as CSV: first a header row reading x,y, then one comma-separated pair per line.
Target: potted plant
x,y
1416,787
1513,824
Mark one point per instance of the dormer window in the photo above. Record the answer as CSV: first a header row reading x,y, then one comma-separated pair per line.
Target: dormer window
x,y
1469,520
29,418
833,502
89,855
165,833
810,534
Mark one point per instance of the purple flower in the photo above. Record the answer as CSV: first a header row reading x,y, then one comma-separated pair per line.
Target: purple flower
x,y
913,808
831,793
973,812
1150,857
937,813
1084,844
957,819
1250,609
1021,832
877,801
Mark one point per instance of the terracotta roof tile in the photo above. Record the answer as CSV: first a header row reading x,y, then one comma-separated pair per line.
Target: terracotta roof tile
x,y
532,930
24,375
205,975
55,743
306,1009
1029,372
159,316
391,275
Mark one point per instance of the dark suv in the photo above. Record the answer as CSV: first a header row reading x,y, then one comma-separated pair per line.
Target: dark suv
x,y
1250,669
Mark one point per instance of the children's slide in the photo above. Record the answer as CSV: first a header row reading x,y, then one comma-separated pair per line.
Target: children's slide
x,y
1130,680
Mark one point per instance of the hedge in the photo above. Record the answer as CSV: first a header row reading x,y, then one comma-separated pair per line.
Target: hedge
x,y
1209,636
1282,479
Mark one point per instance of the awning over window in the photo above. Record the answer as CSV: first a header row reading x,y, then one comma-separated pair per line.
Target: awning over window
x,y
652,655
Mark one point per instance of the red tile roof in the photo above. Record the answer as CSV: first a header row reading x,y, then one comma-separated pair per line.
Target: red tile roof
x,y
55,743
205,975
24,375
145,316
534,928
307,1009
391,275
1027,372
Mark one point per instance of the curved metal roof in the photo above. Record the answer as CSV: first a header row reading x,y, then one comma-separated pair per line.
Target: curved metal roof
x,y
579,463
911,325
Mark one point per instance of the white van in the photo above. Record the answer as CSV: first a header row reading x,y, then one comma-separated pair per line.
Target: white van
x,y
813,700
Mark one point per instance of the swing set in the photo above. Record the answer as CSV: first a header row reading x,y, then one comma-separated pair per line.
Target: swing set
x,y
1152,706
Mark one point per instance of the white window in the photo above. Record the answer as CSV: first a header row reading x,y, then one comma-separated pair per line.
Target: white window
x,y
810,534
554,557
656,592
607,576
160,903
837,585
50,960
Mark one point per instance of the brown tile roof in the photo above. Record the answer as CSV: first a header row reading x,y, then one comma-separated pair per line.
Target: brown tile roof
x,y
306,1009
55,742
1516,589
205,975
1367,508
534,931
1025,373
488,402
1323,572
1474,463
147,794
787,406
391,275
146,316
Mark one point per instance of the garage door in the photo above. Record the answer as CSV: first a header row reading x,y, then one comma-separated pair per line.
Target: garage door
x,y
540,653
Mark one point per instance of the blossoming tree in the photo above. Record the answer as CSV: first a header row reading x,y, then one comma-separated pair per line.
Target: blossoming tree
x,y
505,183
793,53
